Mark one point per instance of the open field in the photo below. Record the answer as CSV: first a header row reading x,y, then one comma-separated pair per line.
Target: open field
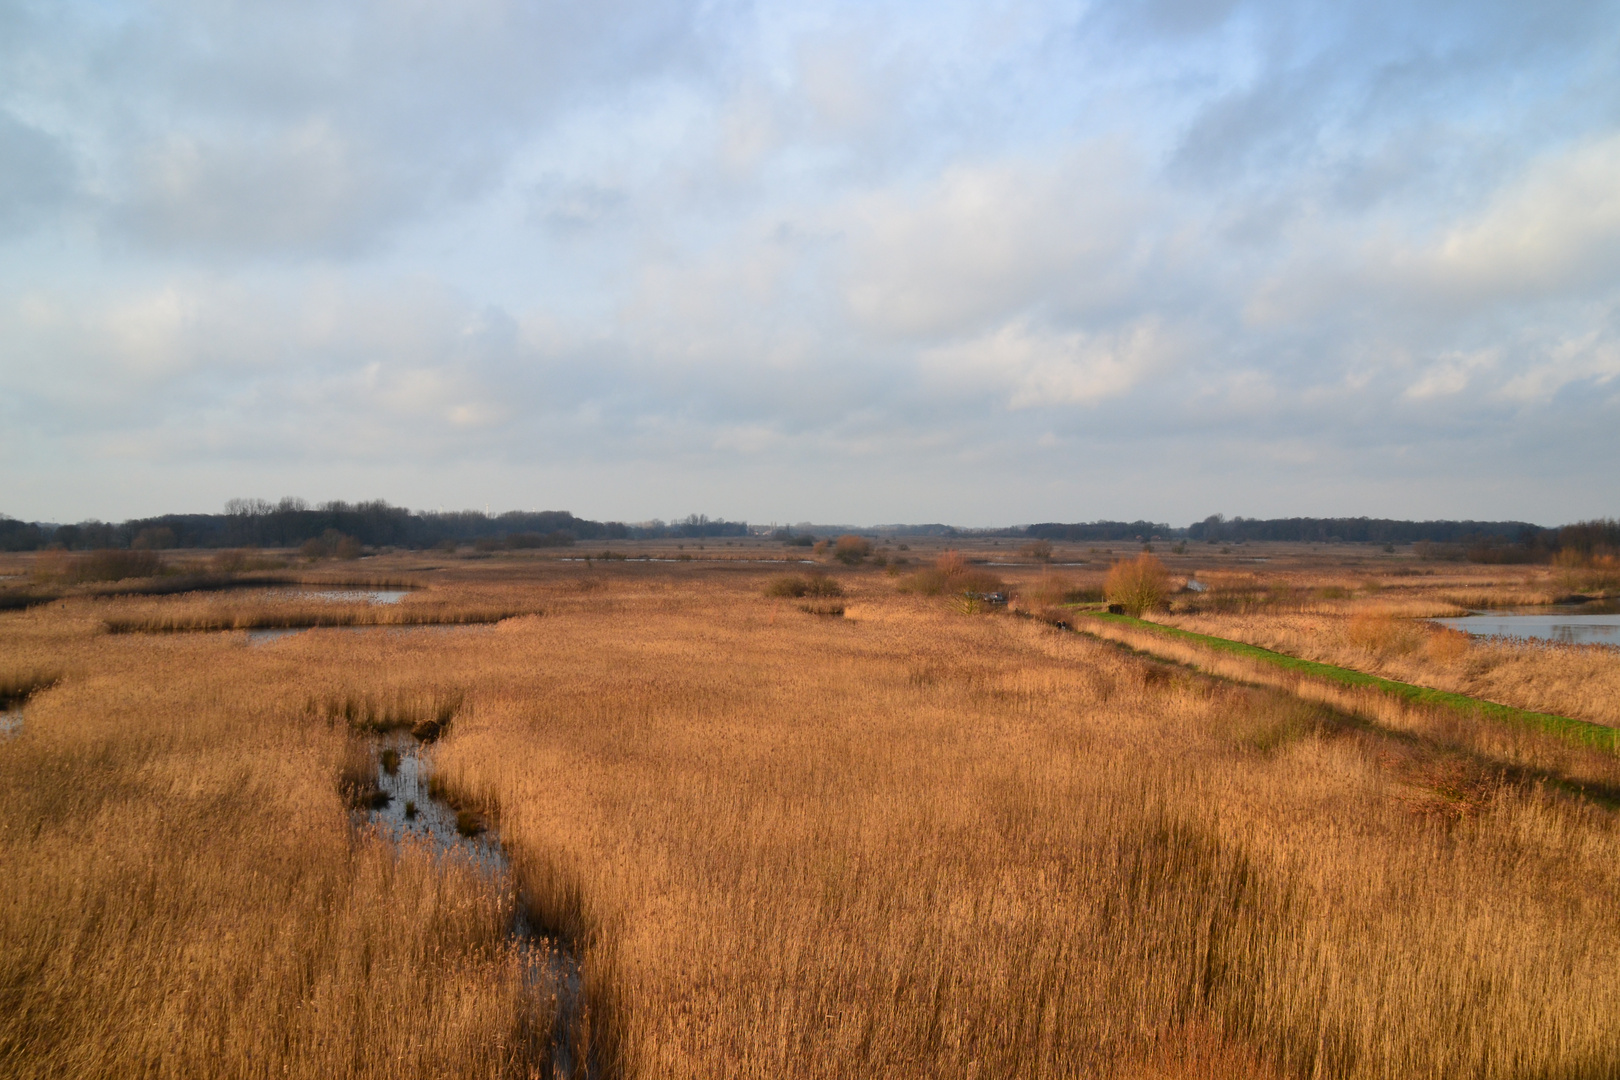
x,y
918,839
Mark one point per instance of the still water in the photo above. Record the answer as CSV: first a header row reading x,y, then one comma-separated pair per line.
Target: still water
x,y
411,811
1586,624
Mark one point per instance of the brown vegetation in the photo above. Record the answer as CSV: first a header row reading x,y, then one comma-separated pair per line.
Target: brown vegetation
x,y
797,585
112,564
952,575
851,550
331,545
901,843
1137,585
272,610
1582,681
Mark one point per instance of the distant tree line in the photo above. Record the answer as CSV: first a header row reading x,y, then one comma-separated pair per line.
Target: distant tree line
x,y
1359,530
258,523
1475,541
1101,530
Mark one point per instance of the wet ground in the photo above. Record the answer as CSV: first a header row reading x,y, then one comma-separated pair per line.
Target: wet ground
x,y
413,812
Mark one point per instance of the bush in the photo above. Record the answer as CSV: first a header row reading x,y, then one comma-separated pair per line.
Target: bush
x,y
1385,635
798,585
1137,585
331,545
953,575
851,549
1587,573
1039,550
1051,591
110,564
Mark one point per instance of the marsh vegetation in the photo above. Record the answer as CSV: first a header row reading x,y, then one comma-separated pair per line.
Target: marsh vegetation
x,y
913,841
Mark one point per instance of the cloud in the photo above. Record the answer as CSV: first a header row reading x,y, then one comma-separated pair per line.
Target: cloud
x,y
37,176
988,240
1028,368
898,254
1555,229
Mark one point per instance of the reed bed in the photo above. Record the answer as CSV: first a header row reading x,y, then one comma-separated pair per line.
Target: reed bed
x,y
1582,681
186,896
203,613
909,842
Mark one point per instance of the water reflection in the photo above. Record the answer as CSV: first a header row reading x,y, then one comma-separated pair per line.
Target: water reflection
x,y
267,635
351,596
1565,627
413,812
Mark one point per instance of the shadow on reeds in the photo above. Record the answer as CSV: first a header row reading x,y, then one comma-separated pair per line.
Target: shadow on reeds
x,y
426,715
309,619
1443,762
16,688
388,783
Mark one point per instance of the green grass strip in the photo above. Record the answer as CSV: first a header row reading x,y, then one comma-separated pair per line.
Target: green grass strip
x,y
1582,732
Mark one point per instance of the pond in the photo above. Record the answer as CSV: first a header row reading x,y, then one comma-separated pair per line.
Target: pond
x,y
1584,624
266,635
353,596
10,722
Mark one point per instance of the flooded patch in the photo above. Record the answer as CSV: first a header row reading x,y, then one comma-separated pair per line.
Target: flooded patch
x,y
1574,625
272,634
353,596
10,723
411,811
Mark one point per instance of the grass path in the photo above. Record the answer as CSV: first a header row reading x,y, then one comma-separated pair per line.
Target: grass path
x,y
1580,732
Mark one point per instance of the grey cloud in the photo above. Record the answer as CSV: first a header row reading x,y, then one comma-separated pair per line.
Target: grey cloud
x,y
996,263
37,176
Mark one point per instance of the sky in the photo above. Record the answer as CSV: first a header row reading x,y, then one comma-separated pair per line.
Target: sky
x,y
979,263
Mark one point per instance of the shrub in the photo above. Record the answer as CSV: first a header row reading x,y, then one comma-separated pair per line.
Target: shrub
x,y
851,549
953,575
1446,646
1138,584
111,564
1384,635
1039,550
1052,590
1587,573
799,585
331,545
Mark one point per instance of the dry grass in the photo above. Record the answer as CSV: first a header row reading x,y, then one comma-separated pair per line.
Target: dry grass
x,y
951,574
1582,681
273,610
901,843
186,898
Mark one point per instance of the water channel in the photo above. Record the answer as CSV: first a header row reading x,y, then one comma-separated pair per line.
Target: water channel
x,y
1567,624
413,812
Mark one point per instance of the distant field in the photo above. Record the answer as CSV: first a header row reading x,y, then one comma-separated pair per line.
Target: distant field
x,y
924,837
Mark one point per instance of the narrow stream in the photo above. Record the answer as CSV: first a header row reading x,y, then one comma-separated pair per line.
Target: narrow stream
x,y
413,811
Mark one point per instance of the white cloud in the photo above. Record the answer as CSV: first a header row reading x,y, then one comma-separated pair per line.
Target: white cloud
x,y
1029,368
672,239
1555,228
989,240
1450,376
1589,358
